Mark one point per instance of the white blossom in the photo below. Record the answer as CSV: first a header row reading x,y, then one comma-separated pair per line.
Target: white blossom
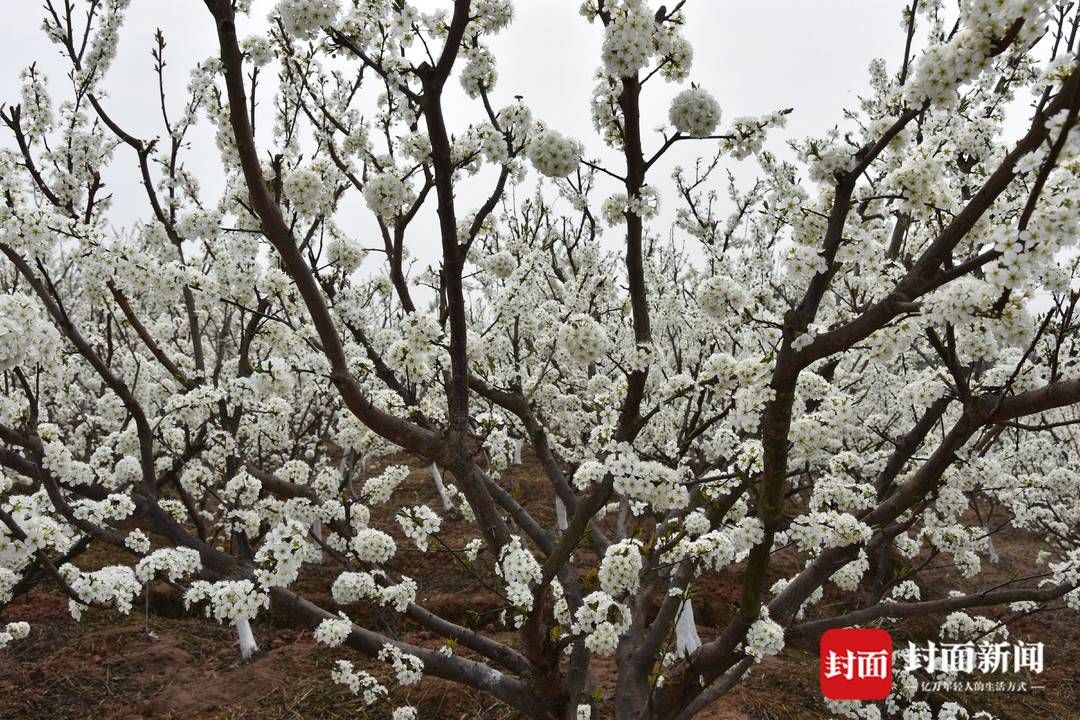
x,y
694,112
554,154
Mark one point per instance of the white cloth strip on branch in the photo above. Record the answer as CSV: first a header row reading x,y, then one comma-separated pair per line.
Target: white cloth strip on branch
x,y
247,639
687,639
440,488
994,557
560,513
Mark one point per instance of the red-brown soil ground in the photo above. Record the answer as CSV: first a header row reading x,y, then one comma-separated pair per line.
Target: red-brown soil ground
x,y
171,664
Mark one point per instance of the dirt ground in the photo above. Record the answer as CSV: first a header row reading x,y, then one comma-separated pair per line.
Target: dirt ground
x,y
169,664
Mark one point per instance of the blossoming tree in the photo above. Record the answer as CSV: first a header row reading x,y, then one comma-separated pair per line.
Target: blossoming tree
x,y
837,379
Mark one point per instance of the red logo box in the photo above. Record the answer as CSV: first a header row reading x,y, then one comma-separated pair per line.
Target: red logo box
x,y
856,664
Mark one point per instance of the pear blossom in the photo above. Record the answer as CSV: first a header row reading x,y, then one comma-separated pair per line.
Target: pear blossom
x,y
686,353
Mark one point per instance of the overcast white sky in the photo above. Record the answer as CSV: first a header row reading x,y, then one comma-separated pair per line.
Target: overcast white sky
x,y
755,56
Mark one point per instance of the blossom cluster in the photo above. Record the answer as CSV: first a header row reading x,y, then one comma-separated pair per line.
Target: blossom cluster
x,y
332,631
26,337
283,552
694,112
378,489
408,669
173,563
358,681
602,621
553,154
230,600
351,587
113,585
419,523
765,637
14,631
386,195
373,546
620,569
585,339
519,570
304,18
